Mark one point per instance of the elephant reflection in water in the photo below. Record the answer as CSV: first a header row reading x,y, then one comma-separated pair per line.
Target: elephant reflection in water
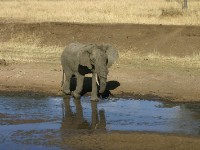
x,y
76,120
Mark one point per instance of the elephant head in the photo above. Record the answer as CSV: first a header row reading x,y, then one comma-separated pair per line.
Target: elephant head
x,y
98,58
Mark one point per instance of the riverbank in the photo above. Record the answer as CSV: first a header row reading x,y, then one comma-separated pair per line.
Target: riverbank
x,y
155,61
123,81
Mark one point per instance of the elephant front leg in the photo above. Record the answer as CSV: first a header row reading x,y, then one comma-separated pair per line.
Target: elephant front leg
x,y
66,85
94,96
79,86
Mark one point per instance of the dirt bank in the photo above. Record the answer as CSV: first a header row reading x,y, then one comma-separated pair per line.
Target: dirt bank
x,y
122,81
137,81
167,40
169,82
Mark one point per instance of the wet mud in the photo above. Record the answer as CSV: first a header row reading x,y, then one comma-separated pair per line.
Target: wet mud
x,y
48,122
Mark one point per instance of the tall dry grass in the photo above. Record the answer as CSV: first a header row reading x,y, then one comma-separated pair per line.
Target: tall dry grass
x,y
102,11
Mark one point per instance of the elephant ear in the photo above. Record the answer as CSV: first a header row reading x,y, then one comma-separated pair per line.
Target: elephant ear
x,y
112,54
84,56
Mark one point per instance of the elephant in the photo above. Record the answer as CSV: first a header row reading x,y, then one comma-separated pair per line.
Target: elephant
x,y
79,59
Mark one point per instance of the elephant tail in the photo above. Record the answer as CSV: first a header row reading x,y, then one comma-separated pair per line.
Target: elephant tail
x,y
62,82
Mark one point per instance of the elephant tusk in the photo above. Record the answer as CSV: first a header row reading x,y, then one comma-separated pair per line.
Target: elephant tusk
x,y
97,80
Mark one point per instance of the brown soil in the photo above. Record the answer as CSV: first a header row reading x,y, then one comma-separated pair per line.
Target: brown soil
x,y
123,80
168,40
137,82
132,141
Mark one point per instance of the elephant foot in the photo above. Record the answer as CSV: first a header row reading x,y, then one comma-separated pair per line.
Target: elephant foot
x,y
94,98
76,95
67,92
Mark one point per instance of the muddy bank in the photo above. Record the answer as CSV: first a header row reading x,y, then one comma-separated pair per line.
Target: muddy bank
x,y
123,81
136,141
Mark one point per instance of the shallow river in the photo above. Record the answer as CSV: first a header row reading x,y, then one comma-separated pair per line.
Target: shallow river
x,y
39,122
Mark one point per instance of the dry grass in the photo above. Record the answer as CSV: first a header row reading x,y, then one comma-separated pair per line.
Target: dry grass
x,y
15,51
25,48
21,53
28,48
156,61
102,11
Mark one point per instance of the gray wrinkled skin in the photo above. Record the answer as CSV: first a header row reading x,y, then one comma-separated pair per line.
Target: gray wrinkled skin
x,y
80,59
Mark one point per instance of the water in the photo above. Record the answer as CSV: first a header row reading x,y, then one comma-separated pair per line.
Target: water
x,y
39,123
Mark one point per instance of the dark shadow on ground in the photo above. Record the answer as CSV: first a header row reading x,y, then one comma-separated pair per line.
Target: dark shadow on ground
x,y
87,86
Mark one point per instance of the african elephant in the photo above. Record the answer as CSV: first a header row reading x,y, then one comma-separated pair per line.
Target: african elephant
x,y
79,59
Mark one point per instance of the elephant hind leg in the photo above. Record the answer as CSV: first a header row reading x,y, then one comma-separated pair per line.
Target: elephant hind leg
x,y
66,85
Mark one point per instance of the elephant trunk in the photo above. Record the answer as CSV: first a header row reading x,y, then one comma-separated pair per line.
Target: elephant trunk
x,y
102,86
103,80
